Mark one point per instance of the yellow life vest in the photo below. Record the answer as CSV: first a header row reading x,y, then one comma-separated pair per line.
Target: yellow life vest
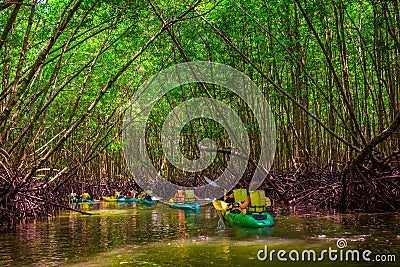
x,y
257,201
189,196
240,195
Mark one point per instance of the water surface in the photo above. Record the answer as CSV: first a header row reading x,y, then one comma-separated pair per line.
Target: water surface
x,y
137,235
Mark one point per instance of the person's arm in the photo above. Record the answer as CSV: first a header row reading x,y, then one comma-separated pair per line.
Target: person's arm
x,y
245,203
229,196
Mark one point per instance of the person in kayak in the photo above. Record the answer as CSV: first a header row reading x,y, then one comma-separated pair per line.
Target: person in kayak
x,y
255,202
244,204
190,196
229,197
259,202
85,196
179,196
117,194
133,193
146,194
238,199
242,200
148,197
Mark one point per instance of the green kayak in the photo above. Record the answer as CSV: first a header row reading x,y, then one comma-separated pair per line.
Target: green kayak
x,y
185,206
250,220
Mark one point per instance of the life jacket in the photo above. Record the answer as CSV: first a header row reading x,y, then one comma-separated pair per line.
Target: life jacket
x,y
148,192
257,202
180,196
189,196
240,195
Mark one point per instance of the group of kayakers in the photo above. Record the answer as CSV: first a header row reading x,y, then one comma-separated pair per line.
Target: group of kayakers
x,y
85,197
238,206
132,194
145,194
238,200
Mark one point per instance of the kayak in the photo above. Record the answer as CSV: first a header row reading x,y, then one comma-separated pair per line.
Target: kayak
x,y
109,199
124,199
127,199
146,201
250,220
185,206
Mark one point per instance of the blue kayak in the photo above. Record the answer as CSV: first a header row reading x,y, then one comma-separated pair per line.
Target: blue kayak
x,y
186,206
146,201
127,199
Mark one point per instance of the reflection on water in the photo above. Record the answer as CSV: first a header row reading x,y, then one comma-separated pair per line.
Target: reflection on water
x,y
72,237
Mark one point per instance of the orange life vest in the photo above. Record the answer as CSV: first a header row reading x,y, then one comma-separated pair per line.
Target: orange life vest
x,y
179,197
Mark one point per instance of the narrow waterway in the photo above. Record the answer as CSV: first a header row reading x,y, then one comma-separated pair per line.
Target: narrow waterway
x,y
138,235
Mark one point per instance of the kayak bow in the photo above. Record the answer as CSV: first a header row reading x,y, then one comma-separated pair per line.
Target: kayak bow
x,y
185,206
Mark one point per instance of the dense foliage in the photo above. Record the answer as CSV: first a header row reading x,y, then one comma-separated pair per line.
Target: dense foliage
x,y
329,69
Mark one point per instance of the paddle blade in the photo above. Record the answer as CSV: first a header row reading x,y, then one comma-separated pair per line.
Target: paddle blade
x,y
211,182
220,205
221,224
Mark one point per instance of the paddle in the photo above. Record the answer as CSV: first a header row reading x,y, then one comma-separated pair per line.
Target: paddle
x,y
211,182
220,206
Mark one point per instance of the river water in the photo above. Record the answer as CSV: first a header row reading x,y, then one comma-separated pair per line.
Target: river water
x,y
132,234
